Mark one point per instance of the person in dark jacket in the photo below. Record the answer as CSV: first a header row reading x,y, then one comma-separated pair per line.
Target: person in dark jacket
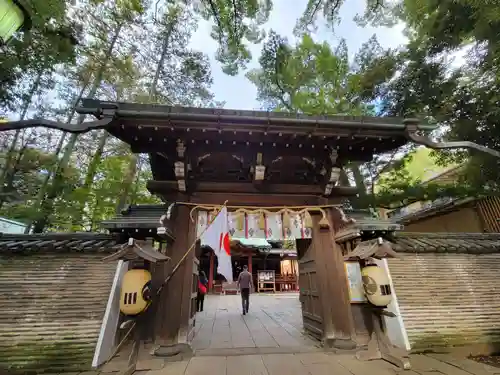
x,y
202,290
245,283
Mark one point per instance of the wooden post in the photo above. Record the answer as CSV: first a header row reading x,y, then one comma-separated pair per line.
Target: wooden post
x,y
186,332
211,272
168,319
250,262
250,267
338,322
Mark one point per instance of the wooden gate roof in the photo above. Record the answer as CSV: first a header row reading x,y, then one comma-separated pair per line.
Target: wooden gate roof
x,y
147,127
221,151
140,221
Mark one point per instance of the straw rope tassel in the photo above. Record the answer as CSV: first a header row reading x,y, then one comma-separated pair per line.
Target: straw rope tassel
x,y
239,221
307,220
324,222
262,221
286,220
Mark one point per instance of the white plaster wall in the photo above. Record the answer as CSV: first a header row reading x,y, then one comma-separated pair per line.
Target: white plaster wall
x,y
395,326
106,341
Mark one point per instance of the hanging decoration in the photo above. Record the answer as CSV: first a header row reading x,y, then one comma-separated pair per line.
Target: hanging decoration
x,y
273,223
262,221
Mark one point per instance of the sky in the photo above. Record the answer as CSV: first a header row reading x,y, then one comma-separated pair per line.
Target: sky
x,y
239,93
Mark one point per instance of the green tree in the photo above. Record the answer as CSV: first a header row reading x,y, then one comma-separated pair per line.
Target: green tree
x,y
30,165
236,23
173,75
421,80
315,78
105,33
118,83
309,78
377,12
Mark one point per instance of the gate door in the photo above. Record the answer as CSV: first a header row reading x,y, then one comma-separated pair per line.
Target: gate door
x,y
309,293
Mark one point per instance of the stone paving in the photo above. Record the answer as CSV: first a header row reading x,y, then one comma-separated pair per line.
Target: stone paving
x,y
273,321
269,341
319,364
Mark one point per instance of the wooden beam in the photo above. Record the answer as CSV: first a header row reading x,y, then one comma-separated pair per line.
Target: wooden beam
x,y
166,187
282,147
247,146
250,199
250,262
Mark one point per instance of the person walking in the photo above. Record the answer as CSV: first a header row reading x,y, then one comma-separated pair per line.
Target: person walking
x,y
245,283
202,290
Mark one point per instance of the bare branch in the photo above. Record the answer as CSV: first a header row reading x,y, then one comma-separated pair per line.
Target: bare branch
x,y
383,169
216,16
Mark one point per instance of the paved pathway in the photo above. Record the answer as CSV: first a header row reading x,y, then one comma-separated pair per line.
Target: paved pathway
x,y
273,321
269,341
319,364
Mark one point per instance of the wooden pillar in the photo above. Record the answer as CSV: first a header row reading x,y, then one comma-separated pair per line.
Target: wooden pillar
x,y
211,272
250,262
171,310
190,268
338,323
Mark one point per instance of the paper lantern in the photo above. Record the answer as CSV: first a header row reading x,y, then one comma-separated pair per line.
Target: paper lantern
x,y
13,16
377,285
135,293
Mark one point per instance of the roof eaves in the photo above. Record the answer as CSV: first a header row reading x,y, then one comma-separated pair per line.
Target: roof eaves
x,y
432,211
135,110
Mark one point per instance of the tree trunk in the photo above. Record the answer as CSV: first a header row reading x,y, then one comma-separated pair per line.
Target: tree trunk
x,y
358,179
359,201
58,182
89,177
127,185
12,148
45,183
137,180
12,174
132,168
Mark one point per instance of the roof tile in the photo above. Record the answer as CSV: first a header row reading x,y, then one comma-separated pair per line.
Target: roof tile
x,y
474,243
59,242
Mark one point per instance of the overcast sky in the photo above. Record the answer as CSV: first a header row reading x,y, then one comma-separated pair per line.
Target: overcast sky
x,y
239,93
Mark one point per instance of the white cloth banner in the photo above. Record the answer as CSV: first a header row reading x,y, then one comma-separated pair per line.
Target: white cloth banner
x,y
273,230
